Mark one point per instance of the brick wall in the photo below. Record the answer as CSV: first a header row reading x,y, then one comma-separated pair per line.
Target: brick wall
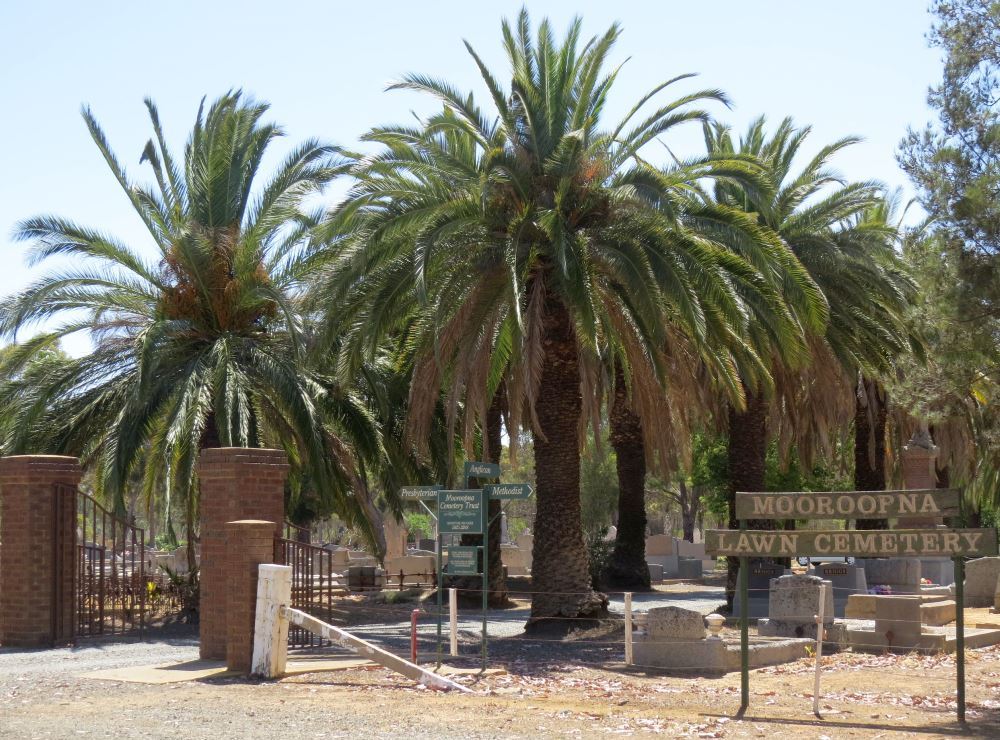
x,y
236,484
249,543
37,571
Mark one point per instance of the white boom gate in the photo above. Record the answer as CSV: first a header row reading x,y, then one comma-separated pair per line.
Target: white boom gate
x,y
270,642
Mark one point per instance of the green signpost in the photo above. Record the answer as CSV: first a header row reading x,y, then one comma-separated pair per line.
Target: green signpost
x,y
955,543
466,511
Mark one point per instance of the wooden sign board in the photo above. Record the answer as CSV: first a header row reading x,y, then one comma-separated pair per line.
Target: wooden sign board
x,y
862,543
847,504
460,512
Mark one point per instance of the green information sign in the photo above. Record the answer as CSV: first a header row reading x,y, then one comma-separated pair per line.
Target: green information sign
x,y
847,504
460,512
419,492
862,543
507,491
463,561
475,469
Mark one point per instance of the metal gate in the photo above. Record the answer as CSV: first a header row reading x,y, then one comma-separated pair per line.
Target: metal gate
x,y
316,582
111,581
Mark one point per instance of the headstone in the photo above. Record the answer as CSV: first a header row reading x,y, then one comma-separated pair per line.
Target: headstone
x,y
426,543
689,568
897,621
939,571
612,534
793,603
513,560
674,623
526,543
395,538
918,458
846,580
504,533
362,577
901,575
660,544
981,576
759,585
655,572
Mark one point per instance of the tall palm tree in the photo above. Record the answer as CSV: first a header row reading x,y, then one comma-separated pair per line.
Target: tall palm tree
x,y
828,225
512,251
200,346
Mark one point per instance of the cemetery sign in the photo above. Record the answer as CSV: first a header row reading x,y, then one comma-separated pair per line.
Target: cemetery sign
x,y
460,512
863,543
463,561
847,504
476,469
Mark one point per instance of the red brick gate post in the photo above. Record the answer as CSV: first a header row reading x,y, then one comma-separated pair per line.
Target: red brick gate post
x,y
249,543
38,563
236,483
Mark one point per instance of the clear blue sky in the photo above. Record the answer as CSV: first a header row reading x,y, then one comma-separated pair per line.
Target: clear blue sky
x,y
846,67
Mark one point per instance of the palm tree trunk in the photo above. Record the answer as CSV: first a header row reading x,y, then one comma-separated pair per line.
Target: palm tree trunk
x,y
627,568
560,572
747,455
869,443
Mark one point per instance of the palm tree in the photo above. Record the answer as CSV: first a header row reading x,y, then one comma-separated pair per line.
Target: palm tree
x,y
831,228
512,250
203,345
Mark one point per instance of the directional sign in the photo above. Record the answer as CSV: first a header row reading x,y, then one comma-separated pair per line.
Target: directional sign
x,y
870,543
847,504
463,561
507,491
419,492
460,512
474,469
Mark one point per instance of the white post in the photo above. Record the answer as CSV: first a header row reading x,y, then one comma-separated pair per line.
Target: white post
x,y
819,647
628,628
270,633
453,619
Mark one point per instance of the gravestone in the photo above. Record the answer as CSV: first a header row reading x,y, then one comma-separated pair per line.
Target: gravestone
x,y
427,544
901,575
526,543
674,623
897,622
939,571
846,580
759,586
689,568
793,603
981,576
660,551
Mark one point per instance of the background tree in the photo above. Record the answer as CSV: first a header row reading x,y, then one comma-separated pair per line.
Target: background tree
x,y
203,346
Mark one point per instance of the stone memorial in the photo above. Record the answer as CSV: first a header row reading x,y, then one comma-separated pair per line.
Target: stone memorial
x,y
900,575
525,543
981,576
660,551
846,580
675,638
759,586
793,603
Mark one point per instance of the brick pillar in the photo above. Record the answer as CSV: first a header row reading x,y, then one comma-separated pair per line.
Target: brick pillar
x,y
236,484
249,543
38,532
918,458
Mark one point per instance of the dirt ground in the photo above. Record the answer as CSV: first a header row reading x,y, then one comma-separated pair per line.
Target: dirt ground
x,y
871,696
